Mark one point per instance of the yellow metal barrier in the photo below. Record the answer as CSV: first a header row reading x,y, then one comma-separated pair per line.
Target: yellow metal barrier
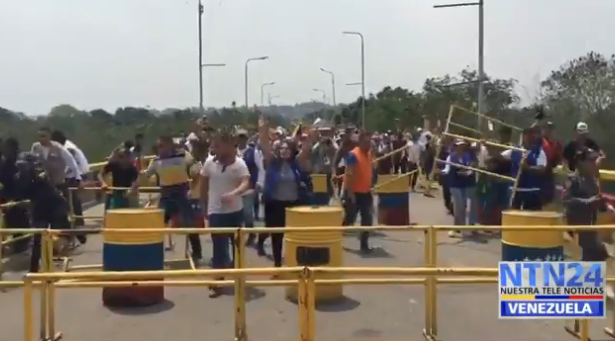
x,y
430,272
306,287
73,217
25,234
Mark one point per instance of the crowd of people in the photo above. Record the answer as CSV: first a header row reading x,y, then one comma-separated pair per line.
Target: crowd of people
x,y
225,175
473,196
40,179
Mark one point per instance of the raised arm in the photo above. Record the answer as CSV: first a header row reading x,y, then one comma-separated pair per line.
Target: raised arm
x,y
306,151
263,135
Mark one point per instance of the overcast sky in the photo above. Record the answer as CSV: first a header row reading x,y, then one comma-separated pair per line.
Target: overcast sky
x,y
111,53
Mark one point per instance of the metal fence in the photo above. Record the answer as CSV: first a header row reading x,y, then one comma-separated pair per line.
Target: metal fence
x,y
306,278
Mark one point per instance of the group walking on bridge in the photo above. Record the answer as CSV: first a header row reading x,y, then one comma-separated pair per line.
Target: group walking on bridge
x,y
39,181
222,176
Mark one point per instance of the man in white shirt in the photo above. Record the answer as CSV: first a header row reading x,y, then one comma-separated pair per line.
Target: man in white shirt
x,y
413,152
225,178
60,166
80,158
72,176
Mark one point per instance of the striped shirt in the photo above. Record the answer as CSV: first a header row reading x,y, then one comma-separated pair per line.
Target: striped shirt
x,y
172,171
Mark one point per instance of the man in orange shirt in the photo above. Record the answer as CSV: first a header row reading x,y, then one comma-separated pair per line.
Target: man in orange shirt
x,y
358,183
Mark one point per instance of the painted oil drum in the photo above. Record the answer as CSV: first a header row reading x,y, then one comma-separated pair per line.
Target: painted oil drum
x,y
393,199
315,248
133,252
518,245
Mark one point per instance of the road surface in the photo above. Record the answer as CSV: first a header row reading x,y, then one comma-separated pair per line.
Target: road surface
x,y
467,312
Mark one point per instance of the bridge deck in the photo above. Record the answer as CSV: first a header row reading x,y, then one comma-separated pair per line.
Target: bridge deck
x,y
466,312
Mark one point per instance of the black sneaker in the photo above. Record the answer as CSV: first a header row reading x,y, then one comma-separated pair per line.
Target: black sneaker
x,y
82,238
251,240
214,290
260,250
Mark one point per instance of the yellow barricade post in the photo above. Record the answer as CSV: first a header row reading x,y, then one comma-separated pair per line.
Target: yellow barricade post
x,y
314,248
310,278
610,331
136,278
23,233
431,299
241,325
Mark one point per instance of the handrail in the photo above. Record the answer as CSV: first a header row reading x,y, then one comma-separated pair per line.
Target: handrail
x,y
214,230
428,275
98,165
605,174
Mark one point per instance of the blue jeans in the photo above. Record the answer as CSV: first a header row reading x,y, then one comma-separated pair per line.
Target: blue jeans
x,y
460,202
179,204
221,258
363,205
248,209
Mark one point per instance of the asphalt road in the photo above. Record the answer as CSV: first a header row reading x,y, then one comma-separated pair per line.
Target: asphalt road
x,y
466,312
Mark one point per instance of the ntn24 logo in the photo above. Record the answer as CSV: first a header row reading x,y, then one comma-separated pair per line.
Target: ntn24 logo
x,y
563,274
585,291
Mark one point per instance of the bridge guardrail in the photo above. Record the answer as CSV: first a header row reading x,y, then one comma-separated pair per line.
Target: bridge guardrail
x,y
50,280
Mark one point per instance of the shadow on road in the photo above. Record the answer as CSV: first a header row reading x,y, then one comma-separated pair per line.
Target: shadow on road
x,y
376,252
154,309
339,305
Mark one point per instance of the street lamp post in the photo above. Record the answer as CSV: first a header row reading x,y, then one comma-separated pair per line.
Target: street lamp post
x,y
246,76
481,45
263,91
332,84
324,94
201,107
200,25
271,98
362,74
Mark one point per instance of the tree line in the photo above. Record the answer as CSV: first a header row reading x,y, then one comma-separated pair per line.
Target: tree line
x,y
582,89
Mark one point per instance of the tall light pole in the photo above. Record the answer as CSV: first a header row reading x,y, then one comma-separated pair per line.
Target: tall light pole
x,y
362,74
271,98
481,45
263,91
201,107
324,94
200,25
332,84
246,76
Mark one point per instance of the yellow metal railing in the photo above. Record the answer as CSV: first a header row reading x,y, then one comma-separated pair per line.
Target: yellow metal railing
x,y
430,276
71,190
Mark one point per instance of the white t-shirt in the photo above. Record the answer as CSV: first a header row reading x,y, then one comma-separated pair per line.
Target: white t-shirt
x,y
414,152
221,181
423,140
482,156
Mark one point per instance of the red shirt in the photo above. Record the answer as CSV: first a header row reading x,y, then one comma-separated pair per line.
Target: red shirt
x,y
553,150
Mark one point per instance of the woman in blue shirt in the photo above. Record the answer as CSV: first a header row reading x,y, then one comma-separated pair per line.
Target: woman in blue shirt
x,y
287,184
462,183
